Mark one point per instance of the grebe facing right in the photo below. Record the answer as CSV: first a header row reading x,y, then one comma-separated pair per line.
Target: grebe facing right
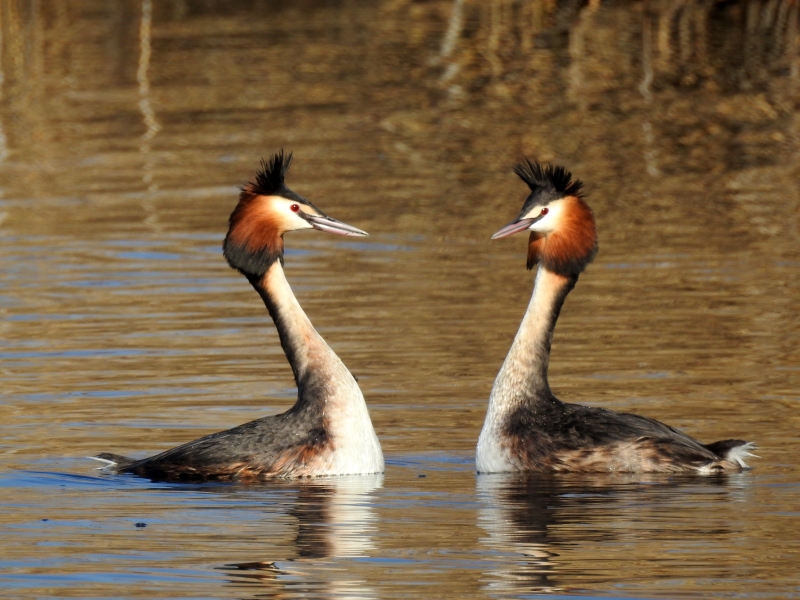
x,y
527,428
328,431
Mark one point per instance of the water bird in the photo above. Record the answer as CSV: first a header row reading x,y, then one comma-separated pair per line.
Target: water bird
x,y
526,427
328,431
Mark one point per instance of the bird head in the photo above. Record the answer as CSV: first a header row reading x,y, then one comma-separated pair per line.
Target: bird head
x,y
266,210
563,238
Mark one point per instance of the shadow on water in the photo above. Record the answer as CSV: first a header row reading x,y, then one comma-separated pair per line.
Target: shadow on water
x,y
547,527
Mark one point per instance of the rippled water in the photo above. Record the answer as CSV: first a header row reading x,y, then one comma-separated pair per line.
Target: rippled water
x,y
125,128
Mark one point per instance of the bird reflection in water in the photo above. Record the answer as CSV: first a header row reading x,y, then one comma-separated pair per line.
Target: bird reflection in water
x,y
335,519
558,526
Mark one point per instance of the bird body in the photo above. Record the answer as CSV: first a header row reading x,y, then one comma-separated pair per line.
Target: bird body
x,y
328,431
526,427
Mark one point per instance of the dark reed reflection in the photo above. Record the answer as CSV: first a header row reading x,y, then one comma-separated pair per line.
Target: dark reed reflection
x,y
553,525
680,41
335,519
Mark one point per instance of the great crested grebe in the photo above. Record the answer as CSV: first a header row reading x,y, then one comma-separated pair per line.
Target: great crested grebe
x,y
328,431
527,428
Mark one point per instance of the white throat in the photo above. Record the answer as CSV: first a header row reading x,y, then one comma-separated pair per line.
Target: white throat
x,y
523,376
324,383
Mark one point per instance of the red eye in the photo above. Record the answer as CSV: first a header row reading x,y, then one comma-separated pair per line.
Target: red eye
x,y
295,207
544,211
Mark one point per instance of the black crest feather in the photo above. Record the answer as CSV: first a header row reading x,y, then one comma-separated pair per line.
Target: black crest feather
x,y
270,179
548,178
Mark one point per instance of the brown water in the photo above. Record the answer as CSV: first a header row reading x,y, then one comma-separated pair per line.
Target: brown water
x,y
125,128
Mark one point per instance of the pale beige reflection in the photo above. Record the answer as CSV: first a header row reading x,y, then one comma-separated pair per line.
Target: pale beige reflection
x,y
564,532
335,519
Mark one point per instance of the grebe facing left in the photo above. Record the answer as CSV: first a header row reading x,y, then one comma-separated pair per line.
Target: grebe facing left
x,y
328,431
527,428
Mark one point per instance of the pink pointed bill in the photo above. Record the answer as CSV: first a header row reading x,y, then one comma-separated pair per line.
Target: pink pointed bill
x,y
333,226
512,228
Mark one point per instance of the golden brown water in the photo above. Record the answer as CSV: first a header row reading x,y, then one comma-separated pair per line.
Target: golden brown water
x,y
125,128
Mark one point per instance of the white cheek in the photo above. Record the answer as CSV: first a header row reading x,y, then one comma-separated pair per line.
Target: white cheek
x,y
549,222
544,225
289,219
294,221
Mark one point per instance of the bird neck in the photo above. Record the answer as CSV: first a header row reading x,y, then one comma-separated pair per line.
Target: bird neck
x,y
523,376
313,362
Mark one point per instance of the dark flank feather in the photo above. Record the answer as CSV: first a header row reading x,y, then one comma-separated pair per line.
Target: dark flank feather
x,y
553,435
244,452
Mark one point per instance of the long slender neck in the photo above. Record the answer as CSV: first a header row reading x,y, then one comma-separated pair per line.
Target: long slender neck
x,y
523,376
312,360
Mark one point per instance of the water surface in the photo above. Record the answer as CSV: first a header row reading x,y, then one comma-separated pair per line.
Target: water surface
x,y
125,129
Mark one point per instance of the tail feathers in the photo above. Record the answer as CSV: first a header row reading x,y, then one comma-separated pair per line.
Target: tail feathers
x,y
735,451
739,453
113,460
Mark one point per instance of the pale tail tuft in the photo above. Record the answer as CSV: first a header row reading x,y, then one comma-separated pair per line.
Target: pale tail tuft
x,y
108,463
738,454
